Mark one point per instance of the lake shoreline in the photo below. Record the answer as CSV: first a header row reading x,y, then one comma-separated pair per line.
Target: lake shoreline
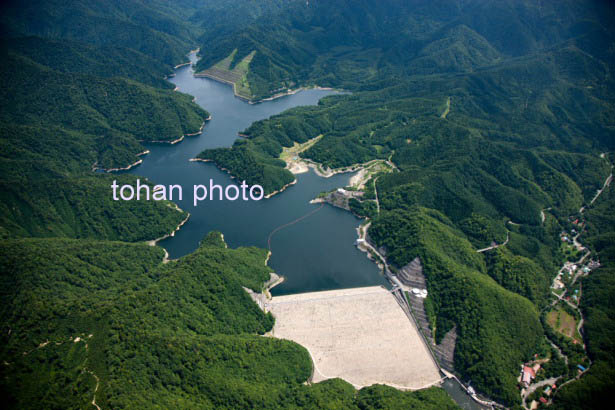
x,y
95,167
250,225
269,195
271,98
154,242
281,189
292,92
180,139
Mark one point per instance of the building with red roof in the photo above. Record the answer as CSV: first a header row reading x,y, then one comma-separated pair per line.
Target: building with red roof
x,y
527,375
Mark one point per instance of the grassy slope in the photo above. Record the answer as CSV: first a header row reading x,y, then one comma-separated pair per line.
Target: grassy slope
x,y
237,74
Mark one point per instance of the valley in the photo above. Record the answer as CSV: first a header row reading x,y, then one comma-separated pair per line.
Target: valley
x,y
435,228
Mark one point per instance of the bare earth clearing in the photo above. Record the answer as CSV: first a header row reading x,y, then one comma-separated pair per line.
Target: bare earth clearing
x,y
564,323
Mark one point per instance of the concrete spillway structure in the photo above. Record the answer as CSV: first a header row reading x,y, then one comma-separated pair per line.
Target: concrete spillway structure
x,y
360,335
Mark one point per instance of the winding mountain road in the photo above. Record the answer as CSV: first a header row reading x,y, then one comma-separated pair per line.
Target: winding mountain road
x,y
495,246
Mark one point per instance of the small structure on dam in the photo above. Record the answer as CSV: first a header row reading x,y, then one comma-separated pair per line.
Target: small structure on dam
x,y
360,335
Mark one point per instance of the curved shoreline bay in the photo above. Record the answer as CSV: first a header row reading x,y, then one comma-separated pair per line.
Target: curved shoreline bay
x,y
317,253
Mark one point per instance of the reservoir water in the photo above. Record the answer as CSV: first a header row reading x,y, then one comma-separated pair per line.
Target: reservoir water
x,y
317,253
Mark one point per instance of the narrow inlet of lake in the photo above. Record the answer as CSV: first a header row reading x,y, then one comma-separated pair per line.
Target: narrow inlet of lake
x,y
316,253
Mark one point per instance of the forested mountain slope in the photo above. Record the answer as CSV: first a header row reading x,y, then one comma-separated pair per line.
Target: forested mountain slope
x,y
496,328
595,388
218,18
346,43
492,112
107,61
151,27
35,94
71,106
88,322
56,127
195,347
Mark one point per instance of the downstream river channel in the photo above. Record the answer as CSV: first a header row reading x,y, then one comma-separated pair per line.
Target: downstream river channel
x,y
316,253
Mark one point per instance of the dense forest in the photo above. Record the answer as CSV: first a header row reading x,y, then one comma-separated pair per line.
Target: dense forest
x,y
487,127
69,107
351,44
91,316
497,329
154,28
494,114
87,318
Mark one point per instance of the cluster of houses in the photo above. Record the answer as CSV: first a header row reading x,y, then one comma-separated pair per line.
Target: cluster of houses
x,y
569,237
547,391
528,373
571,268
565,237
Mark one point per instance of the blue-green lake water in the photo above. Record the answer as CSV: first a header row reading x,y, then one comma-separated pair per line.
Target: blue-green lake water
x,y
316,253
